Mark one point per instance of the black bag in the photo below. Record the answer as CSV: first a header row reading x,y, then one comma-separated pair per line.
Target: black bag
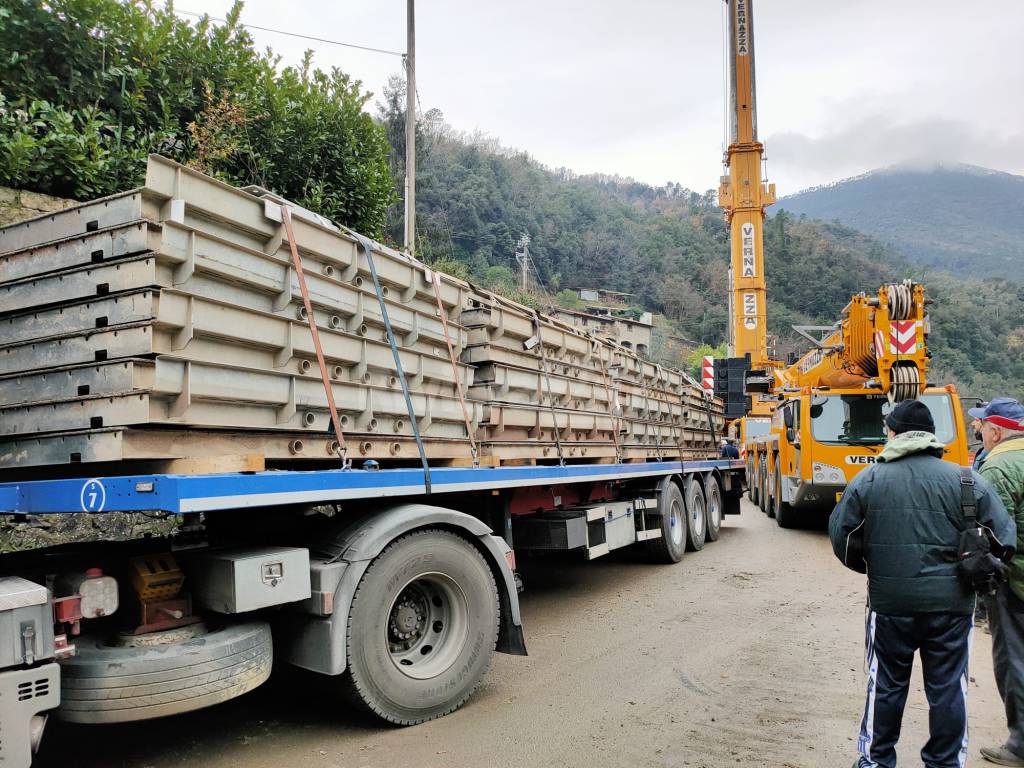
x,y
980,555
854,559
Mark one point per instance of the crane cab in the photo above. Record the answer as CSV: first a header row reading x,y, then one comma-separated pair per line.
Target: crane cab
x,y
821,438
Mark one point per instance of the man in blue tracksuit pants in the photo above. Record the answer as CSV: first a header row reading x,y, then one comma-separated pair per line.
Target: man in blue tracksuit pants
x,y
908,508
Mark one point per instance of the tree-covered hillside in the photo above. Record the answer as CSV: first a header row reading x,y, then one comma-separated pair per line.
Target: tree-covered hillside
x,y
962,218
669,247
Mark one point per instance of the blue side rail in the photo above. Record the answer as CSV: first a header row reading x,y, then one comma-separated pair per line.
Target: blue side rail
x,y
182,494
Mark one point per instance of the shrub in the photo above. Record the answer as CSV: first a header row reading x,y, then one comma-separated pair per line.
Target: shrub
x,y
88,88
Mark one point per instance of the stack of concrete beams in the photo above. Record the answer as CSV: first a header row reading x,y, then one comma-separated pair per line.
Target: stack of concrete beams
x,y
167,322
166,325
552,389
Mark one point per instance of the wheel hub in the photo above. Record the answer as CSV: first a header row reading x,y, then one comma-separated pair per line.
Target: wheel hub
x,y
407,617
675,522
427,626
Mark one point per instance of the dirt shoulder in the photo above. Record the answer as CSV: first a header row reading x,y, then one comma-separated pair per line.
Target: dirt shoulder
x,y
747,653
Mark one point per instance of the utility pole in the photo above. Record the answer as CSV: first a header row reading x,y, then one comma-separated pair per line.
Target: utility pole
x,y
523,260
410,128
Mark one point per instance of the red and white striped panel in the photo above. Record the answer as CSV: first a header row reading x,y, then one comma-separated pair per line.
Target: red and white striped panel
x,y
903,337
707,373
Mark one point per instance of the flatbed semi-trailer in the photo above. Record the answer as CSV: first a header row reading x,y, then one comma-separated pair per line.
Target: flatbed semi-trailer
x,y
401,582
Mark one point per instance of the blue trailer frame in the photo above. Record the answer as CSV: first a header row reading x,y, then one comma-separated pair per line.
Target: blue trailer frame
x,y
454,501
184,494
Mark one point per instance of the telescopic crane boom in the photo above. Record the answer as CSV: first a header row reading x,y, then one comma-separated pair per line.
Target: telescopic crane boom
x,y
744,195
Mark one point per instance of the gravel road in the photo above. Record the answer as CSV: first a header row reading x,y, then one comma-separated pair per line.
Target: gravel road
x,y
747,653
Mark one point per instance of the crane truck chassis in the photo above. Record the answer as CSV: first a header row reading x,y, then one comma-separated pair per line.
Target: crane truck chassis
x,y
829,406
360,574
806,461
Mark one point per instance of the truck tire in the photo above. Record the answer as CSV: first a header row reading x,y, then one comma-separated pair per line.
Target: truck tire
x,y
715,508
696,516
422,628
117,684
762,486
752,480
785,515
671,546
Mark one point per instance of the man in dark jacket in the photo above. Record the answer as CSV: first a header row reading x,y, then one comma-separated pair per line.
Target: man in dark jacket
x,y
729,449
1002,428
908,508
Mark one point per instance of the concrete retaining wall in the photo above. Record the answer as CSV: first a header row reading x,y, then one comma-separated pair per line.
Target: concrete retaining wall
x,y
19,204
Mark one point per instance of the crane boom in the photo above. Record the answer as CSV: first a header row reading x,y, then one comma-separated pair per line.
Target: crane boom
x,y
744,195
880,344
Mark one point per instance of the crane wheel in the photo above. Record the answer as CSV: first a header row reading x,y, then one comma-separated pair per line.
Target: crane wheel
x,y
785,515
763,497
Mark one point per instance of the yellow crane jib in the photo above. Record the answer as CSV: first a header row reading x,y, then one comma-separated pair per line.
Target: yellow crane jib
x,y
880,343
829,422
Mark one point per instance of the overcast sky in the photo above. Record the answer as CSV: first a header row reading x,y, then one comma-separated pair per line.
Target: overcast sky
x,y
635,87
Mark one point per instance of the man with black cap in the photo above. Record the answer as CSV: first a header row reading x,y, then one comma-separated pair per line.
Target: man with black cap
x,y
907,509
1002,431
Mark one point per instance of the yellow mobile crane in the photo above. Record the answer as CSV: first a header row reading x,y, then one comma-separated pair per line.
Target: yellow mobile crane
x,y
808,428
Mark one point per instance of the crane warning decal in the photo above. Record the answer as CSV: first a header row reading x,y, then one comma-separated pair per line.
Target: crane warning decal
x,y
707,373
903,337
750,310
749,263
742,28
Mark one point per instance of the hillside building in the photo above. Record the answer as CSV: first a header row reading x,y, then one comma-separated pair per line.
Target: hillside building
x,y
609,322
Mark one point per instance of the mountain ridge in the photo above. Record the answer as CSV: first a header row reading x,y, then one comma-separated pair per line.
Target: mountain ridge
x,y
966,219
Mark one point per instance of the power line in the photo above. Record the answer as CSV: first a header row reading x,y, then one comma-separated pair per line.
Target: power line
x,y
536,272
405,65
292,34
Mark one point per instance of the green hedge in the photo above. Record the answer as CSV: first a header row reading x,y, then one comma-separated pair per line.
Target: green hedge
x,y
88,88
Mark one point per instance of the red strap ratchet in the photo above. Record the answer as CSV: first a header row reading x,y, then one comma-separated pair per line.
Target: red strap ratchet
x,y
596,346
436,280
286,220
